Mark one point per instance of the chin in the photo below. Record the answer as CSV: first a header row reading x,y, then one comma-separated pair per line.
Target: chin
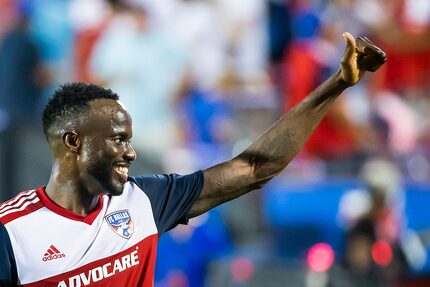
x,y
115,189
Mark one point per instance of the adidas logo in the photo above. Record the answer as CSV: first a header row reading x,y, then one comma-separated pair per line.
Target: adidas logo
x,y
52,253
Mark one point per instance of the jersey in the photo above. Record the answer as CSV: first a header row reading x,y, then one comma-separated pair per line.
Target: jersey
x,y
43,244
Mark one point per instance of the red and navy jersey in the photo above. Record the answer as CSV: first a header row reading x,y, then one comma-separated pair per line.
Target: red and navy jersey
x,y
43,244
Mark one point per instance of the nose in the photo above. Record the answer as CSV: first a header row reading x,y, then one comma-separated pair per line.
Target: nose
x,y
130,153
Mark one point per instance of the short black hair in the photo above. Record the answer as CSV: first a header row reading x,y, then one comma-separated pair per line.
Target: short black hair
x,y
68,101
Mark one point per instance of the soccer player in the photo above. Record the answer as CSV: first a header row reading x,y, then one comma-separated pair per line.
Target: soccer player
x,y
93,225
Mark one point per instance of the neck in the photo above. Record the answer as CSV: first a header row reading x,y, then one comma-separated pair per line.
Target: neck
x,y
65,190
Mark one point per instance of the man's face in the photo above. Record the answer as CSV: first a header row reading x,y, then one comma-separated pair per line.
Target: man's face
x,y
105,153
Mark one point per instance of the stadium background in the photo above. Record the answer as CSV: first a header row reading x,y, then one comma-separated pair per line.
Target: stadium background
x,y
202,79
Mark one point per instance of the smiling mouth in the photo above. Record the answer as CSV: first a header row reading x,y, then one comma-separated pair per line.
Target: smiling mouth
x,y
122,171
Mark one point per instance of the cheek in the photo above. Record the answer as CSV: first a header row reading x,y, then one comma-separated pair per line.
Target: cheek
x,y
91,155
99,153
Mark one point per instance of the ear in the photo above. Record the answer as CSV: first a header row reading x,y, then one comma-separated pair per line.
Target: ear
x,y
72,141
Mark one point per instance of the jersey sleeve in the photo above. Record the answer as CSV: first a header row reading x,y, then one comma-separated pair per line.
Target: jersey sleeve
x,y
171,196
8,273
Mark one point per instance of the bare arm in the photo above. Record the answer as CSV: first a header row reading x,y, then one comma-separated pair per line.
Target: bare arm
x,y
272,151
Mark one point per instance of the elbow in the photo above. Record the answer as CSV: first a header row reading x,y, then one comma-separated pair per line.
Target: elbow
x,y
260,169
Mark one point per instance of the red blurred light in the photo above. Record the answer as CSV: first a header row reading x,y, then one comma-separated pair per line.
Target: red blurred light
x,y
242,269
177,278
382,253
320,257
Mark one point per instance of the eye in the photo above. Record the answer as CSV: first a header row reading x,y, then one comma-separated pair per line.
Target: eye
x,y
118,141
121,141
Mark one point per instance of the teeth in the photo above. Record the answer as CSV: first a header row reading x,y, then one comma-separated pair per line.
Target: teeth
x,y
122,169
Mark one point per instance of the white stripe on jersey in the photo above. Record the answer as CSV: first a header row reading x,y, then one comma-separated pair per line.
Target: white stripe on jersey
x,y
27,203
18,197
18,204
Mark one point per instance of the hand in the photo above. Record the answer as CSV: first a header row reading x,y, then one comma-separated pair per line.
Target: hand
x,y
360,55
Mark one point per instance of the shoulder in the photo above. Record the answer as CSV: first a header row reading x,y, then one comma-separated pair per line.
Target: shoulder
x,y
149,180
161,181
22,204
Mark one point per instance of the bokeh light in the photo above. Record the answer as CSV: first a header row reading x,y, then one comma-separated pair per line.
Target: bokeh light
x,y
320,257
242,269
382,253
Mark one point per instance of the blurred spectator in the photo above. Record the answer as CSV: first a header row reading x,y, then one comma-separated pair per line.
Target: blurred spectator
x,y
52,30
279,26
209,125
341,139
194,27
22,77
360,270
146,69
406,37
205,239
374,226
89,18
403,28
279,37
244,29
9,11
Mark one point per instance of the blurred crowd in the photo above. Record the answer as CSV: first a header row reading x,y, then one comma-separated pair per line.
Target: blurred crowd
x,y
213,74
203,78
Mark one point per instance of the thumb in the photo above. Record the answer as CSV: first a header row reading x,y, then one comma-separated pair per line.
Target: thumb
x,y
350,72
351,45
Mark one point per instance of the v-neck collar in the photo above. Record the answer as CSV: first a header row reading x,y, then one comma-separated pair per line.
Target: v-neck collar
x,y
54,207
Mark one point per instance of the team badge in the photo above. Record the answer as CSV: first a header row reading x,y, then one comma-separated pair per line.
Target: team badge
x,y
121,222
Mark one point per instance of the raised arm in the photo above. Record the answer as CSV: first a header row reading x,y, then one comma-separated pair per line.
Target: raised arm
x,y
272,151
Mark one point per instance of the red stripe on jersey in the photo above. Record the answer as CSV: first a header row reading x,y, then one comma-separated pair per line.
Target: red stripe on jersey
x,y
18,213
133,267
15,199
51,252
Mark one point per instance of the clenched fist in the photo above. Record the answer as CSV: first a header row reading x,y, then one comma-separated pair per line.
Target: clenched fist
x,y
360,55
370,57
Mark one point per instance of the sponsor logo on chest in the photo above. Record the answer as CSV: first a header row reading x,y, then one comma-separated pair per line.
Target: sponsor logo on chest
x,y
99,273
121,223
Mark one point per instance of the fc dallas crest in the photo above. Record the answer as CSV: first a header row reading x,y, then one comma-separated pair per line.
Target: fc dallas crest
x,y
120,221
